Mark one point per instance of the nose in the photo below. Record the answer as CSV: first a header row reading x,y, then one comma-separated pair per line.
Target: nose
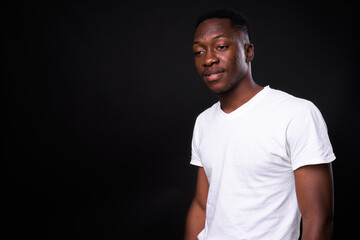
x,y
210,58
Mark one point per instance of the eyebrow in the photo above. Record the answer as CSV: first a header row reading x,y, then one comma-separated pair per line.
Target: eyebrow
x,y
216,37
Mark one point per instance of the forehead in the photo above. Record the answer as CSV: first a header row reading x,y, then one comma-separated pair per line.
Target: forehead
x,y
214,27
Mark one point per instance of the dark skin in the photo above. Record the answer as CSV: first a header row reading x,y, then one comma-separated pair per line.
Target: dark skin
x,y
221,51
223,60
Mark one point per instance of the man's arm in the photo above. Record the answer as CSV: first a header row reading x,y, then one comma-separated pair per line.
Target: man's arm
x,y
314,190
195,220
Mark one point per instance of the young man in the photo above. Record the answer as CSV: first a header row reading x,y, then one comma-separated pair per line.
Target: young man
x,y
264,156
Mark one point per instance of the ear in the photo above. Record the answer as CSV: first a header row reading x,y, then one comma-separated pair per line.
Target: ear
x,y
249,52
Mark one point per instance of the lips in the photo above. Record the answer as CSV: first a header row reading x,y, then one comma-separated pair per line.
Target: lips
x,y
213,74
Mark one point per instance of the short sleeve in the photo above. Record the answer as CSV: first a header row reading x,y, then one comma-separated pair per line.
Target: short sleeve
x,y
307,138
195,155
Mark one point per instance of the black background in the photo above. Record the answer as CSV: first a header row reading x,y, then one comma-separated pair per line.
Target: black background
x,y
100,98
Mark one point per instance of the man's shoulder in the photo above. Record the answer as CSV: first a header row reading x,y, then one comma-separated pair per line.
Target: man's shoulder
x,y
286,100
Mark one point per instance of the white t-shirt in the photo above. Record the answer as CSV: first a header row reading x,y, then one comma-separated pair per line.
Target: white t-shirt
x,y
249,156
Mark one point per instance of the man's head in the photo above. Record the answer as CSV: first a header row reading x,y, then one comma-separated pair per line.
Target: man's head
x,y
222,49
238,21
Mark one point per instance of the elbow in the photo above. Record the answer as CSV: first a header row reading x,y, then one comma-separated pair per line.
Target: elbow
x,y
329,224
318,226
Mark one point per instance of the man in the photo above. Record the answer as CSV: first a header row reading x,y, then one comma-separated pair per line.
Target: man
x,y
264,156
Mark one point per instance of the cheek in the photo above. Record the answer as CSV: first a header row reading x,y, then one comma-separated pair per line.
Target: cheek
x,y
233,63
238,61
233,57
198,65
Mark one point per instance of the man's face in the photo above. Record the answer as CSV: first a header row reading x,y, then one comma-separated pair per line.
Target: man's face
x,y
220,55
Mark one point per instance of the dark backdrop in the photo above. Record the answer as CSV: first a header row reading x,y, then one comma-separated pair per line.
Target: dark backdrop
x,y
100,98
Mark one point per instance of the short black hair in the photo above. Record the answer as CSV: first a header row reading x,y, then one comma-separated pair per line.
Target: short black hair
x,y
238,20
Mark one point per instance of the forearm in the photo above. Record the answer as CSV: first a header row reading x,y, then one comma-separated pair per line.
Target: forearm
x,y
195,221
317,228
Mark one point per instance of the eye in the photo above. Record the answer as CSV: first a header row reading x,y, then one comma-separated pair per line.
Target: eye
x,y
222,47
197,53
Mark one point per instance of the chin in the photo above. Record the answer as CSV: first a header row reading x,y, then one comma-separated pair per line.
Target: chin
x,y
221,89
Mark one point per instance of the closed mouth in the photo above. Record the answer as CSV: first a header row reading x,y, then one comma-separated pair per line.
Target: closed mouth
x,y
213,75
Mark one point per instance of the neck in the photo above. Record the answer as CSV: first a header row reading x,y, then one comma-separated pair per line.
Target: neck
x,y
239,95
